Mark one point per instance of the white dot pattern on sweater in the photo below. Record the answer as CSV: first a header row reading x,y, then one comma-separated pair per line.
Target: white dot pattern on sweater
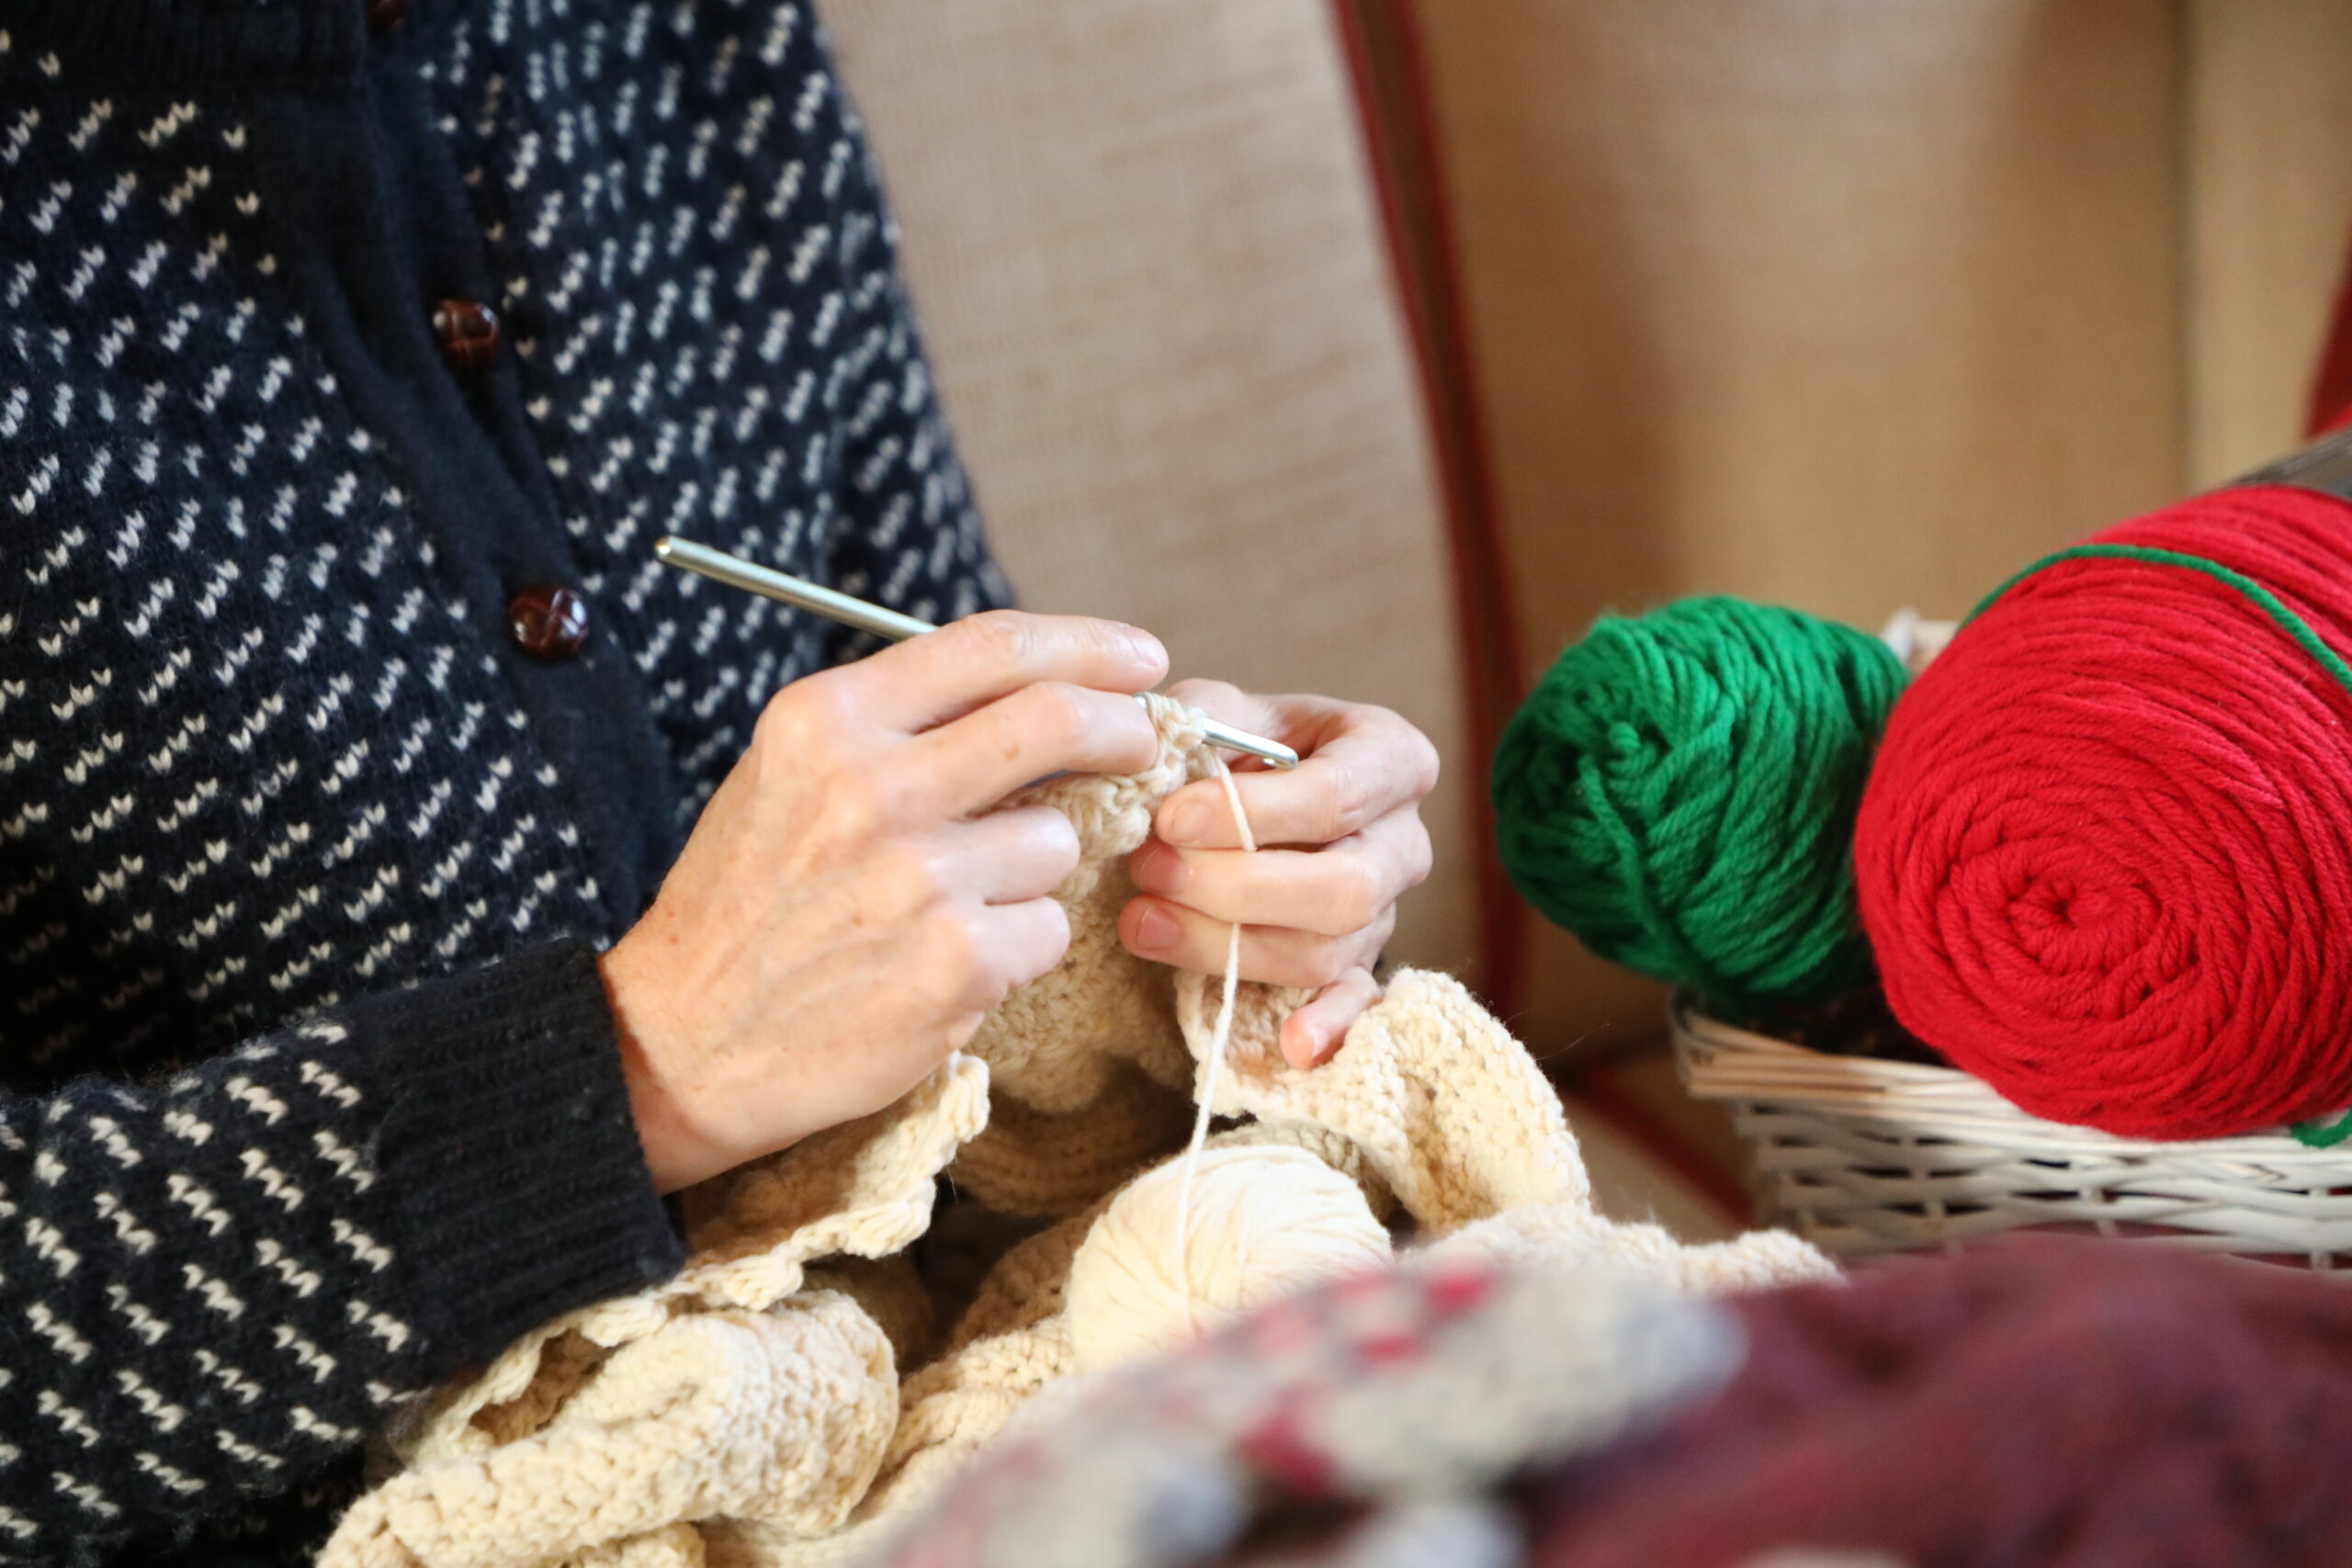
x,y
262,748
701,280
241,1376
255,754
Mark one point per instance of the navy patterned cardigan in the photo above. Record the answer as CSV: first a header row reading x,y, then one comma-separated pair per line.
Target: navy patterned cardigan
x,y
353,354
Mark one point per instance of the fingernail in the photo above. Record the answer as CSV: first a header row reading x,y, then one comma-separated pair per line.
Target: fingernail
x,y
1155,868
1187,823
1156,929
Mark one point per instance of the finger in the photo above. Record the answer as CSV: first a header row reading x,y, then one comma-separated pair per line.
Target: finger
x,y
1051,727
1333,890
1366,763
1312,1033
1011,944
1170,933
1009,857
933,678
1222,700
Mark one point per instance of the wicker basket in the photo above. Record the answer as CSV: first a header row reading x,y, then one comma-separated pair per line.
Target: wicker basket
x,y
1867,1156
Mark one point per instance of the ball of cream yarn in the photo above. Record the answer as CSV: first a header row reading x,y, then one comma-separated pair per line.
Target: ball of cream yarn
x,y
1266,1222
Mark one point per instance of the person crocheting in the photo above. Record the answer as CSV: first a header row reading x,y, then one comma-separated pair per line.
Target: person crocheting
x,y
404,884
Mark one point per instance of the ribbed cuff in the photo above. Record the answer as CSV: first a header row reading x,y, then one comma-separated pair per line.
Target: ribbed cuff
x,y
193,42
510,1157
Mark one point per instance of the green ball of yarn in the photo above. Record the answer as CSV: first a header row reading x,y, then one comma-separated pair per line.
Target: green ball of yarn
x,y
1680,791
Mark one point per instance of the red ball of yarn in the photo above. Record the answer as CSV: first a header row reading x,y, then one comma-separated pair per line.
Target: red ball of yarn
x,y
2105,855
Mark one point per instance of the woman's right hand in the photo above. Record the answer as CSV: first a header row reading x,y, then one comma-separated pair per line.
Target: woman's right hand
x,y
843,913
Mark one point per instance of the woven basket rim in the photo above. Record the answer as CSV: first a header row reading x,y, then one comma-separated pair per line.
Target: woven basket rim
x,y
1723,1062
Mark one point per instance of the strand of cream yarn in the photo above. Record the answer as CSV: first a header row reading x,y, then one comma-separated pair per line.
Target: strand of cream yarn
x,y
1218,1035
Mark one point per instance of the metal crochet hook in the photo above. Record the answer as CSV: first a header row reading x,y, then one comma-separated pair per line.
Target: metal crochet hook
x,y
835,605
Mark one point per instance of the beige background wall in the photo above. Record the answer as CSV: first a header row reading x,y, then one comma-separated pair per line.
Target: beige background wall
x,y
1854,304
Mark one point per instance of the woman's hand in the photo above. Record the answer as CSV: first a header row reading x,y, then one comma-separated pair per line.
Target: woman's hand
x,y
841,917
1340,839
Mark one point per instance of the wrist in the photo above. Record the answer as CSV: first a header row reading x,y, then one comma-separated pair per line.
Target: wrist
x,y
678,1152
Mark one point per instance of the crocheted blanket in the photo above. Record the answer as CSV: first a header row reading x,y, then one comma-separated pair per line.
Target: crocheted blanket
x,y
849,1329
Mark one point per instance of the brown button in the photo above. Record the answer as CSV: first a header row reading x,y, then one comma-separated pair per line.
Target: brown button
x,y
383,16
469,333
548,620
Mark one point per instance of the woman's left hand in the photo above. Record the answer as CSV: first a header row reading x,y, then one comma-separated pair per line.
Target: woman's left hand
x,y
1339,840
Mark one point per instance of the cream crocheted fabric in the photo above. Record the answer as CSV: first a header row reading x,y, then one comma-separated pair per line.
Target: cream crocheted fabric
x,y
789,1396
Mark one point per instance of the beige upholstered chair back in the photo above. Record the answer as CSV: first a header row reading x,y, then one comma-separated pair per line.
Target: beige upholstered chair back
x,y
1151,268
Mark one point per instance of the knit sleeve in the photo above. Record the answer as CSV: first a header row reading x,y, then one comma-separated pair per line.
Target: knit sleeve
x,y
907,532
213,1285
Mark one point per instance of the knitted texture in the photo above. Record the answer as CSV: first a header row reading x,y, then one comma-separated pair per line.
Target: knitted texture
x,y
2105,859
2051,1405
265,742
2058,1405
1404,1396
1449,1116
695,1399
1680,791
285,750
222,1281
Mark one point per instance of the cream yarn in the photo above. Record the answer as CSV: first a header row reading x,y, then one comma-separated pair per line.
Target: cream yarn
x,y
1264,1222
810,1378
1220,1034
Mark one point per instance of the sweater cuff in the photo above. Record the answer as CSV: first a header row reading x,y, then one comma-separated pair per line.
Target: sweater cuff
x,y
509,1154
